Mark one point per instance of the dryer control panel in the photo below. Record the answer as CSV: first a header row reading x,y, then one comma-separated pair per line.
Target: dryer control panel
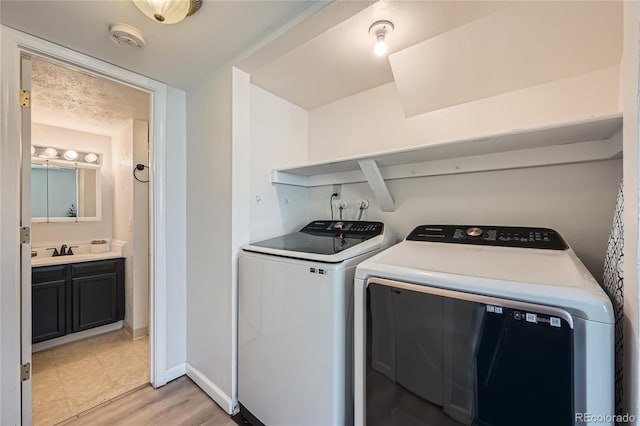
x,y
504,236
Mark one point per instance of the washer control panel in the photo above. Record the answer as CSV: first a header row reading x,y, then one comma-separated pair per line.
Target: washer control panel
x,y
352,227
504,236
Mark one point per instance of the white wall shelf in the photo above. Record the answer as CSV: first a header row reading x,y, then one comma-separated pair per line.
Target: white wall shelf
x,y
575,142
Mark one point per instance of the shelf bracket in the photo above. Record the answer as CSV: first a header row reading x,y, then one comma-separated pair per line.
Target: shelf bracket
x,y
378,185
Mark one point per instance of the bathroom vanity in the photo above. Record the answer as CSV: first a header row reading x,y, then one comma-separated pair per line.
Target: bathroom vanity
x,y
71,297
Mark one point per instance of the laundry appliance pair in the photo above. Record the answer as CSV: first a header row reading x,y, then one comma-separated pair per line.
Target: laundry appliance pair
x,y
455,325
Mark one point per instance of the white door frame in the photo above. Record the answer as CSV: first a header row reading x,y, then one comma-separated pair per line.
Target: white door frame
x,y
15,44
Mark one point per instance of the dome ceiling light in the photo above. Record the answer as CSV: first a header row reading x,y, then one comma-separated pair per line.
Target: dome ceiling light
x,y
168,11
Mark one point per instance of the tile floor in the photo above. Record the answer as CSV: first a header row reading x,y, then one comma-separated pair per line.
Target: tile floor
x,y
72,378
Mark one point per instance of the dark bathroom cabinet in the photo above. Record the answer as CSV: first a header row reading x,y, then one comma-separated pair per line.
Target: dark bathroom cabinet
x,y
75,297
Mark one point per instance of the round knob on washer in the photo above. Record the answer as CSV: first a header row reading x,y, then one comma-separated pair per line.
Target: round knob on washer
x,y
474,232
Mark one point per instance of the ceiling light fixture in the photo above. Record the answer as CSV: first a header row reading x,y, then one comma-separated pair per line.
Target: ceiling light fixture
x,y
168,11
380,29
91,158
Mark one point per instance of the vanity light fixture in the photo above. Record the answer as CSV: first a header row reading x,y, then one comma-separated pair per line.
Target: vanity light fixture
x,y
51,155
380,29
70,155
168,11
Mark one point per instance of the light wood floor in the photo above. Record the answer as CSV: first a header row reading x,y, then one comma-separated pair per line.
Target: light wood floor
x,y
180,402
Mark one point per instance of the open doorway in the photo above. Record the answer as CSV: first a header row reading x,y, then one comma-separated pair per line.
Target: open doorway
x,y
90,309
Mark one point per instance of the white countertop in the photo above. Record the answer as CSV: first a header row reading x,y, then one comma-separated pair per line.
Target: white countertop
x,y
74,258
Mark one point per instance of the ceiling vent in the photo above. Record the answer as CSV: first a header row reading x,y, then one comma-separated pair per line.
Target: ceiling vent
x,y
126,35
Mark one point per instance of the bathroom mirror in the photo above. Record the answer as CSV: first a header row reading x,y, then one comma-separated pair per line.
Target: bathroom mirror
x,y
63,191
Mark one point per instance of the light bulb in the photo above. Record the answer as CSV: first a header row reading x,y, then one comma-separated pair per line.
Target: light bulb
x,y
380,48
50,152
33,150
70,155
380,29
91,158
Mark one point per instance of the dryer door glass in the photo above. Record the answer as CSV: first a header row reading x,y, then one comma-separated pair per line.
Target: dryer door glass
x,y
435,360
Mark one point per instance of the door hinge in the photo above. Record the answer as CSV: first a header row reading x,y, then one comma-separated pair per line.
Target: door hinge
x,y
25,371
25,235
25,98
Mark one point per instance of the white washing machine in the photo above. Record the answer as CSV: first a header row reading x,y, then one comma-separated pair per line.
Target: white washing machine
x,y
295,315
462,325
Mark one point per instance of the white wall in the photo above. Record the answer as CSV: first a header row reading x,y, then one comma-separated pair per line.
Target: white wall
x,y
576,200
236,134
57,233
131,220
240,200
528,44
209,290
279,132
140,231
122,206
176,198
629,100
374,120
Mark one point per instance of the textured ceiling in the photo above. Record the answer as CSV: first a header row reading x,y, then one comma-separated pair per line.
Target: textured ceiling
x,y
68,98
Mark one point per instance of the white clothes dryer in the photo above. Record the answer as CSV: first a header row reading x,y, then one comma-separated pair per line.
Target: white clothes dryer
x,y
295,318
468,325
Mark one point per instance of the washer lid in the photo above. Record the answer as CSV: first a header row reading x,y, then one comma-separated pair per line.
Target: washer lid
x,y
324,241
550,277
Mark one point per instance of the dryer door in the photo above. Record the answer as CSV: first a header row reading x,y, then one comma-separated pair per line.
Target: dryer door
x,y
438,357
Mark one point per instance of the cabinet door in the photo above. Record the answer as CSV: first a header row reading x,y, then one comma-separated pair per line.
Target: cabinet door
x,y
94,301
48,304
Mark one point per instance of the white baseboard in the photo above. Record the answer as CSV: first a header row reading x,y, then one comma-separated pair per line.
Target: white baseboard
x,y
175,372
48,344
221,398
137,333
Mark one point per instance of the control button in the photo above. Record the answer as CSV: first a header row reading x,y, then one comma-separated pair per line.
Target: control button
x,y
474,232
